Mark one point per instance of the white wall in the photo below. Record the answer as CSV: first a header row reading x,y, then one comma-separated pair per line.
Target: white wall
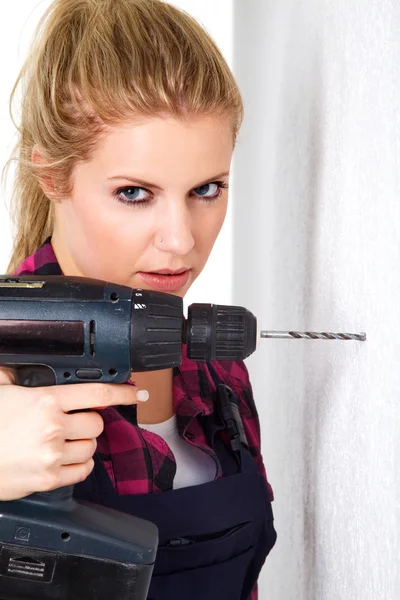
x,y
317,247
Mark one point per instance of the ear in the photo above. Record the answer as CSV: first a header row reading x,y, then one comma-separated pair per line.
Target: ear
x,y
45,180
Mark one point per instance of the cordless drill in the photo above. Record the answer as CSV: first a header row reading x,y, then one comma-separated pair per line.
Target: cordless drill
x,y
58,330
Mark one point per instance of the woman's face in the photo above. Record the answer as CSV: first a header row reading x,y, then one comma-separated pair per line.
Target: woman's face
x,y
152,198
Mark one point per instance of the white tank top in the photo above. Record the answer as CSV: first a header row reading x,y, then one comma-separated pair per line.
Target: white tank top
x,y
193,466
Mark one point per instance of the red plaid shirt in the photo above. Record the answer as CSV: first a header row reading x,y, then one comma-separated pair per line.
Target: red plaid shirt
x,y
140,462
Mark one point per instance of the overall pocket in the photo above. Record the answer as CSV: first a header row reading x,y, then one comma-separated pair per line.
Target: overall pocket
x,y
179,554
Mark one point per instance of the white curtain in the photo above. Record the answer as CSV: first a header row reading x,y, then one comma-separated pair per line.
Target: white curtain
x,y
317,248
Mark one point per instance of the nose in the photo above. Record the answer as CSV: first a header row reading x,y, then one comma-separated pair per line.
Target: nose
x,y
174,232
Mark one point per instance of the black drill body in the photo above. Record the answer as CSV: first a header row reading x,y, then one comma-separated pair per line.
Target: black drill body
x,y
57,330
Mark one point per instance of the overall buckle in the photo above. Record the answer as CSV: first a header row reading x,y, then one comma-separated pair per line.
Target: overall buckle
x,y
229,412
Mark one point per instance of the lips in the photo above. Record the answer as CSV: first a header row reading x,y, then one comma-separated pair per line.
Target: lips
x,y
166,280
168,272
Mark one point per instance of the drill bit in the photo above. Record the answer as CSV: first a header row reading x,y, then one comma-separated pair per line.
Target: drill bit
x,y
313,335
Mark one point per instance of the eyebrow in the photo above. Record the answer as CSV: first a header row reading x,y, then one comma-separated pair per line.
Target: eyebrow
x,y
157,187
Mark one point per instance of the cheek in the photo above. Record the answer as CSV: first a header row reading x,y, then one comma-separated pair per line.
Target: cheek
x,y
95,223
104,241
209,225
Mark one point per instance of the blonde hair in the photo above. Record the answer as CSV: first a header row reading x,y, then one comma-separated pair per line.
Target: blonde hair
x,y
94,63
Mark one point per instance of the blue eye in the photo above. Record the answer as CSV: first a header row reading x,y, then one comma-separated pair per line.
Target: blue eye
x,y
131,195
216,190
134,193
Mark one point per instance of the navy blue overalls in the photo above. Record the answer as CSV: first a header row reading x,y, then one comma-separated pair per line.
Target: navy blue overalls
x,y
214,537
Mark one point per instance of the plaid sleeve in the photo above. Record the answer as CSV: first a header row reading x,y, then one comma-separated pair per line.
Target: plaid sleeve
x,y
239,375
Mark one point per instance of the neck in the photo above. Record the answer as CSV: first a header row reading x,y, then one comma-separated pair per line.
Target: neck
x,y
159,407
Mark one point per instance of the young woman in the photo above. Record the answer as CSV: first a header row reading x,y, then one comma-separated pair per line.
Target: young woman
x,y
129,119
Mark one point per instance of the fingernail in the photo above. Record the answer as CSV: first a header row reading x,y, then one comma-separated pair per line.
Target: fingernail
x,y
142,395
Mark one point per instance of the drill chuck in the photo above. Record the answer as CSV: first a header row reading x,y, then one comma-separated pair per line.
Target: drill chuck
x,y
216,332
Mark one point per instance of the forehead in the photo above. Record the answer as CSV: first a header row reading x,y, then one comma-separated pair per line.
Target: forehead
x,y
167,146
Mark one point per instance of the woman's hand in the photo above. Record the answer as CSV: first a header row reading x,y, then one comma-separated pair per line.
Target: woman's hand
x,y
35,428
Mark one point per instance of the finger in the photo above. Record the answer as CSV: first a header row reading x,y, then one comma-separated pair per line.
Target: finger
x,y
97,394
141,396
71,474
7,376
78,452
83,426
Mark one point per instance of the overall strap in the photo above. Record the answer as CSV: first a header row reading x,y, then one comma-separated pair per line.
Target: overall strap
x,y
228,416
